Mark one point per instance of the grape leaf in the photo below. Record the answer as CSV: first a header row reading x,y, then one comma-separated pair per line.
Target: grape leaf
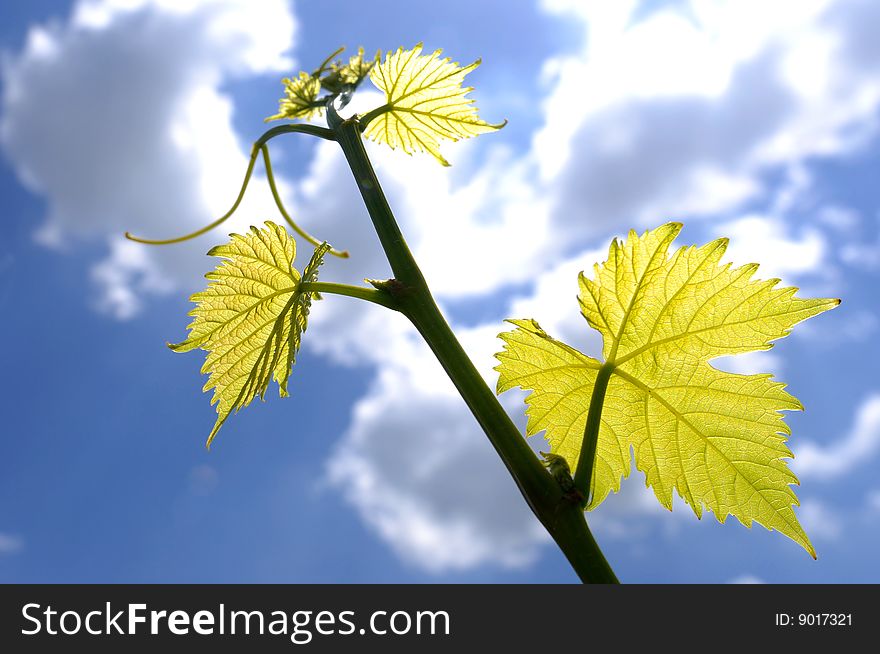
x,y
251,317
716,438
300,95
425,103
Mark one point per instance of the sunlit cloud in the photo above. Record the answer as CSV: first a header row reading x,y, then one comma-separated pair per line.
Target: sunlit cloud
x,y
855,448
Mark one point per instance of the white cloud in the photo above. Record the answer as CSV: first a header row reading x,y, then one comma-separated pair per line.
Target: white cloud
x,y
203,479
819,521
751,363
10,544
747,579
843,219
116,117
830,461
798,255
472,232
125,277
419,472
765,241
860,326
864,253
635,513
553,301
872,501
681,114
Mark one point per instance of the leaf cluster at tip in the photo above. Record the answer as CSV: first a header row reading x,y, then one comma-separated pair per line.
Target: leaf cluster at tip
x,y
301,93
717,439
425,98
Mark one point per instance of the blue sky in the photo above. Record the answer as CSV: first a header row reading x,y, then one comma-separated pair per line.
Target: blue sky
x,y
738,119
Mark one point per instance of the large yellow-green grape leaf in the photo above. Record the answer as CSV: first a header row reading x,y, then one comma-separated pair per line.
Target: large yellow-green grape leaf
x,y
715,438
251,317
425,103
299,98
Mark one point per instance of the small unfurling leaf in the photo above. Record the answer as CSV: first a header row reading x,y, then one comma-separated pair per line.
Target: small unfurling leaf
x,y
300,94
350,75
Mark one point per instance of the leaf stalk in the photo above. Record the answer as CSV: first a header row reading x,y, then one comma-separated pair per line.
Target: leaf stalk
x,y
583,474
373,295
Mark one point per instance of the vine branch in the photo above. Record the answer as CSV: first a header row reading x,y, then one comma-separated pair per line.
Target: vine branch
x,y
563,518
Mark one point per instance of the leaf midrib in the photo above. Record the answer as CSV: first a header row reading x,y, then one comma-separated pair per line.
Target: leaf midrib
x,y
201,339
632,302
790,521
691,332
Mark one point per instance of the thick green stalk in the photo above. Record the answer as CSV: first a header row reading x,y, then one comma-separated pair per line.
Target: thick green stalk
x,y
561,515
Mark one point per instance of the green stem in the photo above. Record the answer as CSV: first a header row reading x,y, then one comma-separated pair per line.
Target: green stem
x,y
369,294
299,128
583,474
403,265
563,518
